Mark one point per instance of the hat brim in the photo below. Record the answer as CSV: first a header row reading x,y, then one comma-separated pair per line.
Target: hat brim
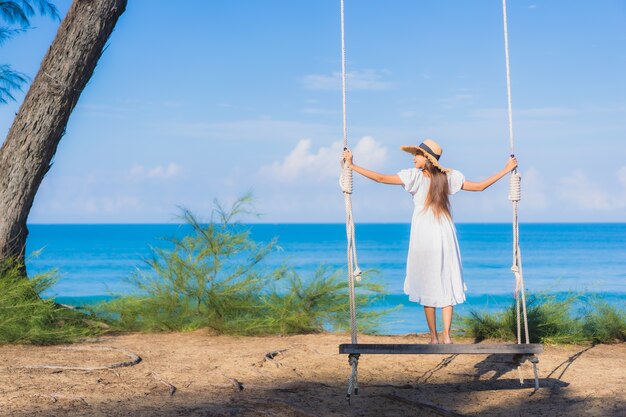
x,y
412,149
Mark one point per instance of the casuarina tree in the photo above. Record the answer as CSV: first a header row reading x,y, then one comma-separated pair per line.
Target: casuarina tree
x,y
27,152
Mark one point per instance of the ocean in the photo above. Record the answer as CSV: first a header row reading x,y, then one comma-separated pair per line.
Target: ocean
x,y
93,262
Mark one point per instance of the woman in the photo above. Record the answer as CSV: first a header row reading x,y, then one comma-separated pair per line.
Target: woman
x,y
434,276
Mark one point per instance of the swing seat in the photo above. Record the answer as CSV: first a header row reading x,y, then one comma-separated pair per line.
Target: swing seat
x,y
521,352
441,349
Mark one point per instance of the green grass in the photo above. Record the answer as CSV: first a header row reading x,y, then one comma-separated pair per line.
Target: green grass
x,y
603,323
27,318
551,321
213,278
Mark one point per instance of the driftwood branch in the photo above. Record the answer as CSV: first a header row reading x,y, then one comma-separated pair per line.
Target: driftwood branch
x,y
270,357
54,397
170,386
238,386
134,360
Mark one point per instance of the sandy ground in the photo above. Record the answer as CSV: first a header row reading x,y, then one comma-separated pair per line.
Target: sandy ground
x,y
196,374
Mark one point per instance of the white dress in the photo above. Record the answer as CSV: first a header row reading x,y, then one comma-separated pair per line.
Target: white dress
x,y
434,275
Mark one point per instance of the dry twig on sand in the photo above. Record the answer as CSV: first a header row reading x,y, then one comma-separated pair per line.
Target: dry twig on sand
x,y
238,386
134,360
170,386
270,356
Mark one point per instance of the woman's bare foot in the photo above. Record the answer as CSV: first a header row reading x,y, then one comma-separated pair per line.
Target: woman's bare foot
x,y
433,342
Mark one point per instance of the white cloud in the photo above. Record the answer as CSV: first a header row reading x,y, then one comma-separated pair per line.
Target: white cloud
x,y
314,110
539,112
123,108
303,163
82,204
456,100
621,175
355,80
119,204
107,111
533,193
261,129
139,172
583,193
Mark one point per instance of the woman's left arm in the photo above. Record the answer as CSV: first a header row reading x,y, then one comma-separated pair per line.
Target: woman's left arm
x,y
482,185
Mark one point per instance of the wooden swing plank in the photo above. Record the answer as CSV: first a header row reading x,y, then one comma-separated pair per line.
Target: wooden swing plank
x,y
442,349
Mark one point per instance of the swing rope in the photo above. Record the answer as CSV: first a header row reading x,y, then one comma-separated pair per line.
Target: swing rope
x,y
515,196
345,181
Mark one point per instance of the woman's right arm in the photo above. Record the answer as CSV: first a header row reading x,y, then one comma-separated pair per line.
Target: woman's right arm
x,y
393,179
482,185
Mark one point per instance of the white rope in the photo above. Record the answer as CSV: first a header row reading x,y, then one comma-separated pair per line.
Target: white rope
x,y
515,196
345,182
345,179
508,76
343,77
353,382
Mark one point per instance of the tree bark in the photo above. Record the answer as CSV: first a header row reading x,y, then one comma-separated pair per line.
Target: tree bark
x,y
28,150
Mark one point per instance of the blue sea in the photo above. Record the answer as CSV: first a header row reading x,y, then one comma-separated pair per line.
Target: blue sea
x,y
94,261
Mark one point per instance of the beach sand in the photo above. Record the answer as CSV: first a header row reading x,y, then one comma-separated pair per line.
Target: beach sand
x,y
198,374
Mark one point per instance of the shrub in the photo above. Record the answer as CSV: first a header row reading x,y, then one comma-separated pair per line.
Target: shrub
x,y
25,317
604,323
212,278
482,325
551,320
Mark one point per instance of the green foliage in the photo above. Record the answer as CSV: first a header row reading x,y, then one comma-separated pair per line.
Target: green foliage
x,y
212,278
18,13
550,321
310,305
482,325
27,318
604,323
9,81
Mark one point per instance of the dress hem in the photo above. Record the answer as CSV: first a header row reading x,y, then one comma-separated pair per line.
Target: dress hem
x,y
429,303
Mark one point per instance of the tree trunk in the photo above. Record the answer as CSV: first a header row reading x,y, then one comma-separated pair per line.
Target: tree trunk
x,y
31,143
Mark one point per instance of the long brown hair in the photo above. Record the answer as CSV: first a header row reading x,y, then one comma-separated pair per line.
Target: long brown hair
x,y
437,198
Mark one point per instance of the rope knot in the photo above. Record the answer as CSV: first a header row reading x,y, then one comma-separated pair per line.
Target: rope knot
x,y
345,178
518,280
353,360
515,189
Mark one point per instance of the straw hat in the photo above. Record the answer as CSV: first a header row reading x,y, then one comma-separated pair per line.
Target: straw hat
x,y
430,149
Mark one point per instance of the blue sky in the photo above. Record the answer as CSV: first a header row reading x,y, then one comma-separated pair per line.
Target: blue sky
x,y
214,99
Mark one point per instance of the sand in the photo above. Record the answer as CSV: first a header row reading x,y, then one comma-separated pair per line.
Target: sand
x,y
198,374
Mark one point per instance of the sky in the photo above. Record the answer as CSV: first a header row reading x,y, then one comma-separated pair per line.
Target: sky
x,y
206,100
